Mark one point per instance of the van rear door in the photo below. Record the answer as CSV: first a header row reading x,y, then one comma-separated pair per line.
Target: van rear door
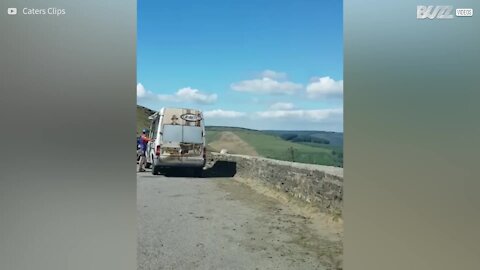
x,y
192,134
152,135
182,140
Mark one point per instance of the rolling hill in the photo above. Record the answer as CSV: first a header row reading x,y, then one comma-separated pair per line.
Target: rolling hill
x,y
142,118
271,146
322,137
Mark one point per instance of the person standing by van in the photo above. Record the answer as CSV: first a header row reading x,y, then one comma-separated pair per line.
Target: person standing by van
x,y
143,150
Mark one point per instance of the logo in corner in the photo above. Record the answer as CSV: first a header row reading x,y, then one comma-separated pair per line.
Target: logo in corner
x,y
434,12
12,11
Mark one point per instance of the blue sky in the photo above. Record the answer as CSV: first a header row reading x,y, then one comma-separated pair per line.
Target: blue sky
x,y
263,64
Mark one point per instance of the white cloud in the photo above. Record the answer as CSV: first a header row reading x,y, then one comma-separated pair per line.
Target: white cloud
x,y
319,115
282,106
266,85
223,114
142,92
295,119
274,74
194,95
186,94
325,87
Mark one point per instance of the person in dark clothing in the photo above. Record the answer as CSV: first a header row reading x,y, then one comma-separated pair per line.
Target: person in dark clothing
x,y
138,148
143,143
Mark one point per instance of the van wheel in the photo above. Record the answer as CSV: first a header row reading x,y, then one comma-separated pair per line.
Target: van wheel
x,y
156,170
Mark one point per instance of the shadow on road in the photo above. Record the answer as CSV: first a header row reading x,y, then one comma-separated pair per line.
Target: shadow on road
x,y
219,169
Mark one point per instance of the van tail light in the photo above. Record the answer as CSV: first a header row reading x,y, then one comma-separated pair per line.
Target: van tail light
x,y
204,153
157,151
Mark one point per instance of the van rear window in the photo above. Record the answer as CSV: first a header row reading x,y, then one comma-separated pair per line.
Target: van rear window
x,y
179,133
192,134
172,133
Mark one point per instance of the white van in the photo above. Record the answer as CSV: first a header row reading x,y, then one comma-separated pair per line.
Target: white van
x,y
178,140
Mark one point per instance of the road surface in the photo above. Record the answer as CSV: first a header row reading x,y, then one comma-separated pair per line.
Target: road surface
x,y
220,223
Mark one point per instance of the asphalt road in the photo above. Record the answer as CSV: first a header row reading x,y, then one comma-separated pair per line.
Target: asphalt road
x,y
219,223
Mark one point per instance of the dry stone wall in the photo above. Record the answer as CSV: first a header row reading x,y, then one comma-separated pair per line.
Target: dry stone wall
x,y
321,186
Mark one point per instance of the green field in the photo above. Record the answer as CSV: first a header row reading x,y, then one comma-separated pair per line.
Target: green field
x,y
274,147
211,135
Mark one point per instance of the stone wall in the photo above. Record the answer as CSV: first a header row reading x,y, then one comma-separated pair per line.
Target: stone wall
x,y
321,186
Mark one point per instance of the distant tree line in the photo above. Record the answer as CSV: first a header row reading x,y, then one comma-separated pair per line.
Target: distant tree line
x,y
303,138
